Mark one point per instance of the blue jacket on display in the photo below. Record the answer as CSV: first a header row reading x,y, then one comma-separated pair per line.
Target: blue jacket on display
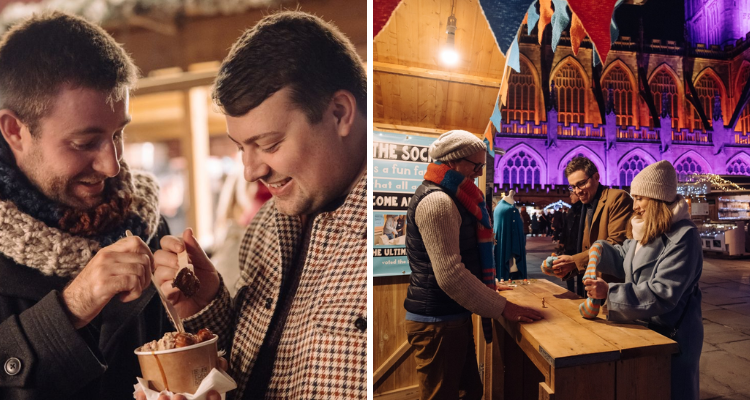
x,y
511,241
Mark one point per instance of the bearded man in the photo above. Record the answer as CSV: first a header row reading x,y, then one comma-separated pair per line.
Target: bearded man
x,y
66,200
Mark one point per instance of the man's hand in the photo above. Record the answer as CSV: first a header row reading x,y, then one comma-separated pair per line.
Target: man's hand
x,y
562,266
596,289
166,264
516,313
122,268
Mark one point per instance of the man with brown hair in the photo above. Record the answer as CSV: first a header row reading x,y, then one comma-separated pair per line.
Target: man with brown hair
x,y
605,215
294,94
66,200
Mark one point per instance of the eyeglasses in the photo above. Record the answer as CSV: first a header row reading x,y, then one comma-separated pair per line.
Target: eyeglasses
x,y
580,185
477,166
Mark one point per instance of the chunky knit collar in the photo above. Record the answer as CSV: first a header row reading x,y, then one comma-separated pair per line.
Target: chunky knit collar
x,y
30,231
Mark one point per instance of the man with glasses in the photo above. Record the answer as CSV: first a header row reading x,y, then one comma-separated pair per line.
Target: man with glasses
x,y
605,215
449,247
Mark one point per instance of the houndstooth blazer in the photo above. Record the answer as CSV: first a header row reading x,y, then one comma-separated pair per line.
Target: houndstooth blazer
x,y
323,349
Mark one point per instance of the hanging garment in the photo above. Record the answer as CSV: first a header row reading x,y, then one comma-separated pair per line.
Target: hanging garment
x,y
511,241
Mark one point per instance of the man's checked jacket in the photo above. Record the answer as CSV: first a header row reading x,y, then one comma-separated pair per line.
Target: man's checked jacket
x,y
322,352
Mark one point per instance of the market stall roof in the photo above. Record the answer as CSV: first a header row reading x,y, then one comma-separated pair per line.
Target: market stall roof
x,y
743,181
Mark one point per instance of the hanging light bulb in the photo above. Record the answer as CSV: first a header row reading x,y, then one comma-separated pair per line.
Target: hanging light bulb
x,y
449,55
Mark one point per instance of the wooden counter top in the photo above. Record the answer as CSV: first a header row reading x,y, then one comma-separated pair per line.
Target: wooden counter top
x,y
564,338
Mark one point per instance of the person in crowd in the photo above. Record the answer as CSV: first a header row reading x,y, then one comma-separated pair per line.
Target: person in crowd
x,y
661,267
449,244
605,215
294,94
544,223
67,199
526,221
557,225
534,225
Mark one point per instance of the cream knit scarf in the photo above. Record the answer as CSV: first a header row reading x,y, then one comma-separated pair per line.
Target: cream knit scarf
x,y
52,251
679,212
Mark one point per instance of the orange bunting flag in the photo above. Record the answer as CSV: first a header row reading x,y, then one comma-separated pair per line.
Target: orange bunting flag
x,y
595,16
545,16
577,33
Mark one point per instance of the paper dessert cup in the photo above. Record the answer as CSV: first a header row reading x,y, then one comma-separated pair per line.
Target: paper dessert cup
x,y
178,370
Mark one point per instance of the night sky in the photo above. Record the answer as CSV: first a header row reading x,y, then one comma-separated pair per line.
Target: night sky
x,y
662,19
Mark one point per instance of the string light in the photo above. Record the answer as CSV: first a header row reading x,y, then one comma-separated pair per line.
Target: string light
x,y
698,185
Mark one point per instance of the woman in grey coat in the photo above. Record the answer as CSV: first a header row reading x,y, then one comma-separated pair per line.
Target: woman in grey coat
x,y
660,268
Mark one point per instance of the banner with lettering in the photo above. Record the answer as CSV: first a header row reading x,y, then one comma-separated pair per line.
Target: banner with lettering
x,y
399,164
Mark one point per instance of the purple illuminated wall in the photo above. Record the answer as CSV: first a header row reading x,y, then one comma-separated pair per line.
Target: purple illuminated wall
x,y
717,22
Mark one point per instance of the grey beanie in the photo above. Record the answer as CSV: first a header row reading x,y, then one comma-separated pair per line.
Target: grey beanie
x,y
657,181
456,144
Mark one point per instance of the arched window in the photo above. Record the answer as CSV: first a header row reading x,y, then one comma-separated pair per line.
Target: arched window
x,y
630,168
743,124
521,169
707,88
738,167
687,167
521,96
571,106
617,79
662,82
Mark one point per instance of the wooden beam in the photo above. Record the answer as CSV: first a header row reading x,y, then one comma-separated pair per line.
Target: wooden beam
x,y
435,74
407,393
181,81
407,129
412,129
390,362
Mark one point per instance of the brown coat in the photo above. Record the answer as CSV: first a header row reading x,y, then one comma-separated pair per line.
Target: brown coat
x,y
611,222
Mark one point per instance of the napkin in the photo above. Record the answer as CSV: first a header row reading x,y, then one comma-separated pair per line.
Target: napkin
x,y
216,380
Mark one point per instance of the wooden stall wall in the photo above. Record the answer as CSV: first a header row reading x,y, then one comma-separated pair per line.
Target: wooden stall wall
x,y
393,362
413,88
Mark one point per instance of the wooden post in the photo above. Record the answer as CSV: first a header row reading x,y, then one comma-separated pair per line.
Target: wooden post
x,y
196,151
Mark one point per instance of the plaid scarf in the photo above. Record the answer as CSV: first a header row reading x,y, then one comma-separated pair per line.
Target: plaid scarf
x,y
469,195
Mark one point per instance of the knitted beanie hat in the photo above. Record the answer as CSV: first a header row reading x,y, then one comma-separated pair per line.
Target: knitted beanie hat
x,y
657,181
456,144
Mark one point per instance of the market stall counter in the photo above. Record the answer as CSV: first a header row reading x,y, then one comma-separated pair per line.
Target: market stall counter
x,y
565,356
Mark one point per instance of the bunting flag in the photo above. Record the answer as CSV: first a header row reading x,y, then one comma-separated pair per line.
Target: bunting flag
x,y
545,17
560,21
596,17
513,58
532,17
504,18
381,13
577,33
496,118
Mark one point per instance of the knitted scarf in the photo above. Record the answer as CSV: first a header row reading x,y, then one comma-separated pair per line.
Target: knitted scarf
x,y
40,233
468,194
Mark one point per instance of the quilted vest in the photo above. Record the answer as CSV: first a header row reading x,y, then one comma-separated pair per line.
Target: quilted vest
x,y
424,296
